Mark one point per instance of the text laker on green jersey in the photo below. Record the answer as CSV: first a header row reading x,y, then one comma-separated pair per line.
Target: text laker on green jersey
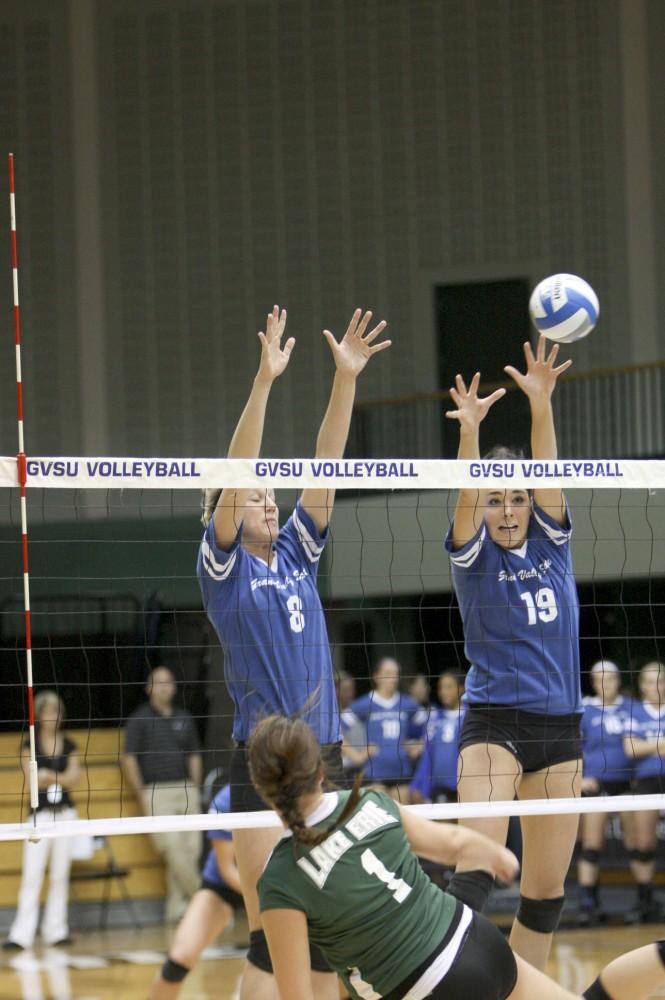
x,y
323,858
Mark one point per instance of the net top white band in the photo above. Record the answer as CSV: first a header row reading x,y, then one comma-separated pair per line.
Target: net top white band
x,y
54,828
308,473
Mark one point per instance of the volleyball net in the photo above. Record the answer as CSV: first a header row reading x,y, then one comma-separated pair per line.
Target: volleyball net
x,y
113,545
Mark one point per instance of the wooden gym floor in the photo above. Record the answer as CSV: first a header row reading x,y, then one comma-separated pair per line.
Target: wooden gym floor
x,y
120,964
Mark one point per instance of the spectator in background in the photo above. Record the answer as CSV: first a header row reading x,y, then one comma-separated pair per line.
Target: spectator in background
x,y
644,742
418,689
58,773
435,779
394,726
162,762
607,771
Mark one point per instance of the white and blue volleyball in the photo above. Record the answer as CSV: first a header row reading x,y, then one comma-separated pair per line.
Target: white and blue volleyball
x,y
564,307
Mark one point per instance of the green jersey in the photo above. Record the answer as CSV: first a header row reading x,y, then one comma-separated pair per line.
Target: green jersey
x,y
369,906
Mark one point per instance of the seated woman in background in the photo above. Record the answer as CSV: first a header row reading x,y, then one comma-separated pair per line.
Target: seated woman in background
x,y
607,771
644,742
59,772
345,872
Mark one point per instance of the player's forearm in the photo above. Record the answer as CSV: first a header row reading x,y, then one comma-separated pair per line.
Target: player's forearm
x,y
638,748
130,769
248,435
543,433
334,430
469,443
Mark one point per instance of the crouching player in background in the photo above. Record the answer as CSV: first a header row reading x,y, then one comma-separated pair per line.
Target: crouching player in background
x,y
209,912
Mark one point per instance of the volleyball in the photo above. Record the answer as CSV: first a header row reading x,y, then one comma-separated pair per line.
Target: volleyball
x,y
564,307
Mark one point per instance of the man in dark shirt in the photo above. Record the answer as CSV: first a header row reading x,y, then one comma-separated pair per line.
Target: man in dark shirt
x,y
162,762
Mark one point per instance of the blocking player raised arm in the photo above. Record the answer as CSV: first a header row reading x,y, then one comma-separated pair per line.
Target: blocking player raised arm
x,y
471,411
351,355
248,435
538,384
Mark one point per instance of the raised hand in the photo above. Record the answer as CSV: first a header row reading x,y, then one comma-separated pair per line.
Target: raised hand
x,y
274,357
356,348
540,379
471,409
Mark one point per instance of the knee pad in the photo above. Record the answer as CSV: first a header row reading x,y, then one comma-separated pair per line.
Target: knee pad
x,y
596,992
590,855
646,857
173,972
258,953
541,915
472,888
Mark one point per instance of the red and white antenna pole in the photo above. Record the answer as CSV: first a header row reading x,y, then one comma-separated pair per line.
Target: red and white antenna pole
x,y
22,480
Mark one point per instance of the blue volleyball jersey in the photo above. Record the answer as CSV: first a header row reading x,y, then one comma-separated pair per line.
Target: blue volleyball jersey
x,y
389,723
602,730
646,723
520,613
220,804
437,768
272,628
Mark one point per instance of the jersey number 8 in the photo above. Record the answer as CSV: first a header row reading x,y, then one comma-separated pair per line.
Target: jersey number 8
x,y
296,617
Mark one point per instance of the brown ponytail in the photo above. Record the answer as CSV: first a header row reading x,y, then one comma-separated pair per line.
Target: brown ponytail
x,y
285,764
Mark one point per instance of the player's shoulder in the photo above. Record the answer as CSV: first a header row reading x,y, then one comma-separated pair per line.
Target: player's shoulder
x,y
222,801
409,703
469,554
361,704
542,525
590,701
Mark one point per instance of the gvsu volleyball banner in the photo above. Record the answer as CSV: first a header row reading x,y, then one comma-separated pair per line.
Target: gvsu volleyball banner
x,y
301,473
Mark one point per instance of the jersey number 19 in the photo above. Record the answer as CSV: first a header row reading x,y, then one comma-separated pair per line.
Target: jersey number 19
x,y
543,607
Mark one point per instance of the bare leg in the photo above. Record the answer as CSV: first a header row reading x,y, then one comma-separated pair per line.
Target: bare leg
x,y
593,839
633,976
644,839
252,848
544,871
487,772
207,915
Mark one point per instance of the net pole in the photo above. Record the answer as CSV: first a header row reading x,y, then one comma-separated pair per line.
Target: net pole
x,y
22,481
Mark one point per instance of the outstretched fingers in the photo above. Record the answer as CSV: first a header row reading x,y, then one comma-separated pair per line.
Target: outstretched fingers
x,y
563,367
528,352
353,324
373,334
460,385
491,399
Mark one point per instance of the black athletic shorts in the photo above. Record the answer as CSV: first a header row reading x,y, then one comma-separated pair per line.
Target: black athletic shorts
x,y
485,966
245,798
536,741
230,896
610,788
444,795
655,785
